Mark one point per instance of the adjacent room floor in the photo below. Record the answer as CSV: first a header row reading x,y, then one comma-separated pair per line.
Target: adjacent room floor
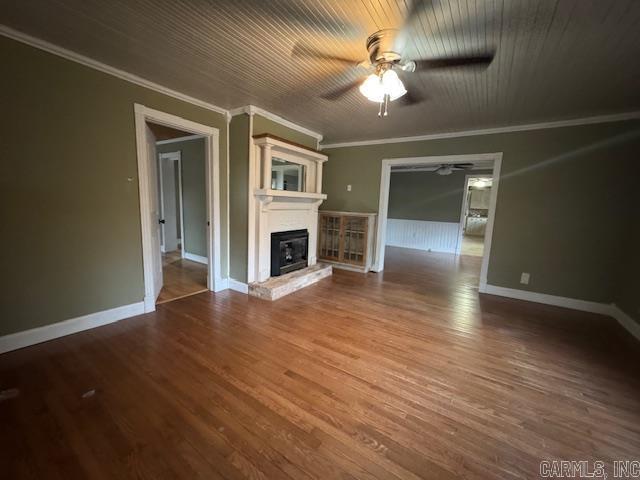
x,y
472,245
405,374
181,277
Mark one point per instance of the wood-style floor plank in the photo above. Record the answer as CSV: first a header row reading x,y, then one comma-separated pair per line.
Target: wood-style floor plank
x,y
407,374
181,277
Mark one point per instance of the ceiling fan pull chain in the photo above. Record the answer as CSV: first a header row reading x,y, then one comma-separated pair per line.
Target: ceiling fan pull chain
x,y
380,109
386,105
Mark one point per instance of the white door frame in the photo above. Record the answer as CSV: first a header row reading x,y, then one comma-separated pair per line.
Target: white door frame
x,y
212,144
176,157
465,202
383,206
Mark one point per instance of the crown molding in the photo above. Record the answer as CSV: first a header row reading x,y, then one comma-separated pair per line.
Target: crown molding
x,y
253,110
240,110
102,67
618,117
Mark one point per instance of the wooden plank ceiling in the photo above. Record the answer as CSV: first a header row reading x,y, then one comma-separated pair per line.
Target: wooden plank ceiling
x,y
554,59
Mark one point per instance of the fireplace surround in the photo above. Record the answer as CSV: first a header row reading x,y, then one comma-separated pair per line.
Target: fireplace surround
x,y
272,210
289,251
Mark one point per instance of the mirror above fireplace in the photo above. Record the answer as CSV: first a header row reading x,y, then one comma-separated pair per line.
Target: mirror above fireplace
x,y
286,175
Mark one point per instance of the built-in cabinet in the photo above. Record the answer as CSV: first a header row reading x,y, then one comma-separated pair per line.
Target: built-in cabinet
x,y
345,239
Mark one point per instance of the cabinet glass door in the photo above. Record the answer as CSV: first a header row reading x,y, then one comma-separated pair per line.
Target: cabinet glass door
x,y
354,240
329,245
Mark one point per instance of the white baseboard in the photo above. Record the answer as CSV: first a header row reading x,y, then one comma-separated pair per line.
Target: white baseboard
x,y
149,303
196,258
221,284
237,286
67,327
626,321
345,266
610,310
573,303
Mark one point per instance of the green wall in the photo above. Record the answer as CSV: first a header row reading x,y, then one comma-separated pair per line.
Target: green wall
x,y
69,187
558,214
242,128
194,192
427,196
239,138
628,293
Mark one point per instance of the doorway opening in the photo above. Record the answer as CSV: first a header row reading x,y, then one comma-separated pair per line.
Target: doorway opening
x,y
475,214
178,168
432,206
183,221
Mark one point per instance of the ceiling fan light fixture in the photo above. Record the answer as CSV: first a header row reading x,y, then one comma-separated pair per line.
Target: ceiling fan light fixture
x,y
372,88
376,86
392,85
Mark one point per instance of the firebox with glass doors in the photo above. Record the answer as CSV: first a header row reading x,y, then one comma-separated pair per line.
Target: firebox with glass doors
x,y
289,251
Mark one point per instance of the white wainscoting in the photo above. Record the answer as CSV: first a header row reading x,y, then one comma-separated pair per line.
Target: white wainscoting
x,y
434,236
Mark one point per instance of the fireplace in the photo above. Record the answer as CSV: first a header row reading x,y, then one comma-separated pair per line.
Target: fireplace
x,y
289,251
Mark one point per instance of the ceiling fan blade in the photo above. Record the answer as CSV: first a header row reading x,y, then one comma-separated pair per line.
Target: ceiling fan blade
x,y
340,92
416,7
295,12
412,97
305,51
462,166
480,60
415,91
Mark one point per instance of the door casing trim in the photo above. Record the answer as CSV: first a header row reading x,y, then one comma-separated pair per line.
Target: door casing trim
x,y
212,164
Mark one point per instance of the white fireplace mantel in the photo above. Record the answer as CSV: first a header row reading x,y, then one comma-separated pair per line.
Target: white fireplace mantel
x,y
272,210
260,192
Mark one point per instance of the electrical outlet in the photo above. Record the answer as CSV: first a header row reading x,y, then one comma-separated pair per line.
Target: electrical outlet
x,y
348,188
524,278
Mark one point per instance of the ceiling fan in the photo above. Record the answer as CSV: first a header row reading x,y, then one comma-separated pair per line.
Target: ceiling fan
x,y
442,169
384,85
449,168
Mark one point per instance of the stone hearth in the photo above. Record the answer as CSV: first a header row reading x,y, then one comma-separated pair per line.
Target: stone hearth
x,y
277,287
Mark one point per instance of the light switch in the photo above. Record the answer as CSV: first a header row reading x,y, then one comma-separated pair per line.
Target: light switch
x,y
348,188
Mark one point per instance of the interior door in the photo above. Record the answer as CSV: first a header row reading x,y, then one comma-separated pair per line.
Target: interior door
x,y
168,204
155,211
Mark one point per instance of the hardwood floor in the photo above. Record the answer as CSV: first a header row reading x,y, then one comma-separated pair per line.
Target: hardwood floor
x,y
402,375
181,277
472,245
